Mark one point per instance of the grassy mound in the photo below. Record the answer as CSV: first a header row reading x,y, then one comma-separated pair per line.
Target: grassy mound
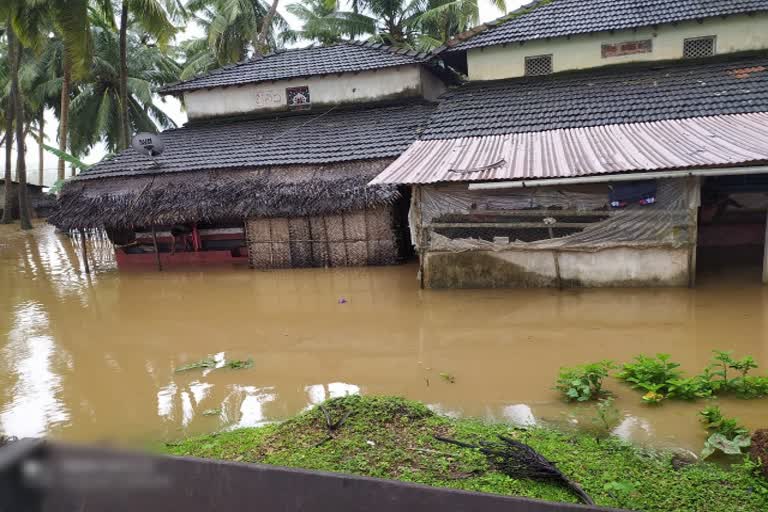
x,y
393,438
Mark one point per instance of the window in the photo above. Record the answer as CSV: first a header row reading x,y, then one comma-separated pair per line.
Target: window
x,y
539,65
698,47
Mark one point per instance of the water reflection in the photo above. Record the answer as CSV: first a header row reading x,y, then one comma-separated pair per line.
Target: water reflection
x,y
32,405
94,357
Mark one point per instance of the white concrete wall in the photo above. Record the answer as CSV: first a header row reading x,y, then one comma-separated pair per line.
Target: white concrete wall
x,y
734,33
613,267
365,86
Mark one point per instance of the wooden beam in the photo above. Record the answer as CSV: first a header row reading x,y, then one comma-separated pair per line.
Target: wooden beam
x,y
157,250
84,249
511,225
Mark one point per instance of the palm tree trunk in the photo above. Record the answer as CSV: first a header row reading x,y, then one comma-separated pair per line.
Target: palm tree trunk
x,y
125,131
64,121
41,149
261,42
8,186
18,107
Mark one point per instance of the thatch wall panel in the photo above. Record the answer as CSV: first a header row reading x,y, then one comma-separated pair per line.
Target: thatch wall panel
x,y
281,247
319,235
300,245
321,241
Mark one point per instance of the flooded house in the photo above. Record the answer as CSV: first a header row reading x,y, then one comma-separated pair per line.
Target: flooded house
x,y
273,167
41,203
597,143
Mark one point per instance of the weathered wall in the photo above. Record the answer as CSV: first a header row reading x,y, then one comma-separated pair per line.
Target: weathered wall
x,y
734,33
382,84
614,267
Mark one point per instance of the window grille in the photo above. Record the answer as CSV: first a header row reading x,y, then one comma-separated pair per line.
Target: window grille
x,y
540,65
699,47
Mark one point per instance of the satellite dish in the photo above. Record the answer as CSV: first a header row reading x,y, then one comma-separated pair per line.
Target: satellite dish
x,y
149,144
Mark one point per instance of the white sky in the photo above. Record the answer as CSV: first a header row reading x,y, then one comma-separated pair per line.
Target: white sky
x,y
170,105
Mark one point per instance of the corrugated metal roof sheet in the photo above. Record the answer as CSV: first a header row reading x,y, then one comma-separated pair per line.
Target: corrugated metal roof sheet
x,y
715,141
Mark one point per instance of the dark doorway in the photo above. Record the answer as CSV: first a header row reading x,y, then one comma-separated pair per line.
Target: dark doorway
x,y
732,220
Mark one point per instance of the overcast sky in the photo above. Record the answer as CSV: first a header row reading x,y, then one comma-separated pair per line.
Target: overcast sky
x,y
171,106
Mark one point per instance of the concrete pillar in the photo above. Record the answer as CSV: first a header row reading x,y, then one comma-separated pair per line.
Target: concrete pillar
x,y
765,253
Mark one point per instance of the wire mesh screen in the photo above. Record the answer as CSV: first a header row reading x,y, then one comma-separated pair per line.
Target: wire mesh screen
x,y
450,217
699,47
357,238
540,65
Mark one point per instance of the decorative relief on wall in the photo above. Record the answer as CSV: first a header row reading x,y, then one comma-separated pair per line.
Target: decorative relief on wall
x,y
298,97
269,98
627,48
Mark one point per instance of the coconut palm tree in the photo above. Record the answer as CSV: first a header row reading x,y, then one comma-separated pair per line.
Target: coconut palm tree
x,y
97,104
154,17
321,21
6,112
234,30
418,24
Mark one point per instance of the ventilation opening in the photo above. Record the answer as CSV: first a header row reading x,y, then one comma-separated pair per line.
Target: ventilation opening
x,y
699,47
540,65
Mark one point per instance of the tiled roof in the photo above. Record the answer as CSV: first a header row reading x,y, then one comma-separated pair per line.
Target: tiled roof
x,y
311,138
301,62
554,18
604,96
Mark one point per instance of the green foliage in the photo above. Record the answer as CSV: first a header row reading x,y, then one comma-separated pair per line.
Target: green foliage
x,y
584,382
447,377
655,375
393,438
661,378
606,418
728,436
203,363
238,364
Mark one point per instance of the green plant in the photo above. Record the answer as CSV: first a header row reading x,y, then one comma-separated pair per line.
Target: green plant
x,y
728,435
203,363
742,385
447,377
658,376
584,382
239,364
607,417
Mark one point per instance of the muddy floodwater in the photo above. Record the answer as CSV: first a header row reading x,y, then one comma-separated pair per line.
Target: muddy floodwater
x,y
92,358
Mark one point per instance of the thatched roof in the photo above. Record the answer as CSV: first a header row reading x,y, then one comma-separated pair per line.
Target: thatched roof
x,y
209,196
277,165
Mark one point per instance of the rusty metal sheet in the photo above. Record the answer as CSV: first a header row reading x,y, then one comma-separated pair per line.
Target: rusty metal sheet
x,y
715,141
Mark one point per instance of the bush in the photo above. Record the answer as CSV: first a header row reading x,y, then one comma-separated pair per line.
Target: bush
x,y
660,378
585,382
728,436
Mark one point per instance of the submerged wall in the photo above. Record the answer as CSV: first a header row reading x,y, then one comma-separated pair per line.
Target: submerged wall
x,y
563,236
346,239
613,267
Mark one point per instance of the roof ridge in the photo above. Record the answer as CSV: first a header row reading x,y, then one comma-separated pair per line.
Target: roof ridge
x,y
398,50
417,56
473,31
528,23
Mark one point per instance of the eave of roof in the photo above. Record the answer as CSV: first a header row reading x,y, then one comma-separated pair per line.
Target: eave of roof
x,y
232,75
491,33
716,141
626,93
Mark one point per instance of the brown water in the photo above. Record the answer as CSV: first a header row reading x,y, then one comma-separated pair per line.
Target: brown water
x,y
93,357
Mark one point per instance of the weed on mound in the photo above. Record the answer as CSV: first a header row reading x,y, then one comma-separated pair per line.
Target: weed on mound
x,y
395,438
